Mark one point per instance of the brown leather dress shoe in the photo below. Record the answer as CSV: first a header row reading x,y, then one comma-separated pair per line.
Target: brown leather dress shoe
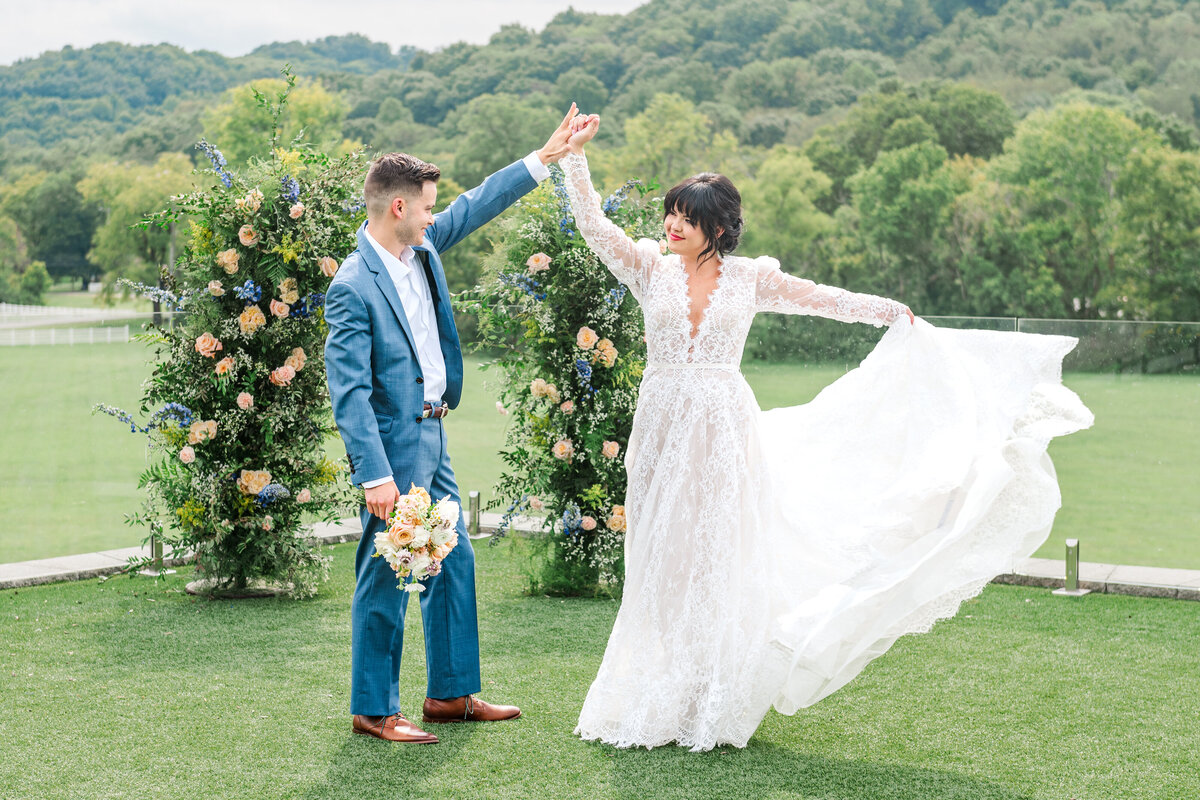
x,y
391,729
466,709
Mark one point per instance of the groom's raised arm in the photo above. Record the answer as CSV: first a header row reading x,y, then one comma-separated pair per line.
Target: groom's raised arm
x,y
501,189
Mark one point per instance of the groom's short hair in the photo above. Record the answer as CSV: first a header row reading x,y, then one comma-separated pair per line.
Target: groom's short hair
x,y
395,174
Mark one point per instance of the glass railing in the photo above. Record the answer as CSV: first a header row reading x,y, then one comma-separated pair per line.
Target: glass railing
x,y
68,477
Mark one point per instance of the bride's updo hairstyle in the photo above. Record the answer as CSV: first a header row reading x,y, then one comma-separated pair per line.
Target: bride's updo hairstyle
x,y
713,204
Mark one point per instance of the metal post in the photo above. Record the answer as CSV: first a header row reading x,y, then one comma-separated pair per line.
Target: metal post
x,y
156,564
1071,589
473,531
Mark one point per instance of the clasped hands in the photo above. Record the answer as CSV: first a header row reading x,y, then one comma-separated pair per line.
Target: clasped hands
x,y
570,136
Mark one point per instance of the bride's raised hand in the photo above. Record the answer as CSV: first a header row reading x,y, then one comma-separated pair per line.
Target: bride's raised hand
x,y
556,145
583,128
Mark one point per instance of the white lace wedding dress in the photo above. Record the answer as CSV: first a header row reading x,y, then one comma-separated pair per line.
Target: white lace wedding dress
x,y
770,556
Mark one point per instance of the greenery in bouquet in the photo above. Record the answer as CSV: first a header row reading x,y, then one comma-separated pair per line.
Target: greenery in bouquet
x,y
571,352
240,408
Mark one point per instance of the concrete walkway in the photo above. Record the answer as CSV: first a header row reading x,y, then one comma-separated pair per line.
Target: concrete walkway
x,y
1178,584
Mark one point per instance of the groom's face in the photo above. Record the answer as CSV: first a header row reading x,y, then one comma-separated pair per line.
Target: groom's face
x,y
415,214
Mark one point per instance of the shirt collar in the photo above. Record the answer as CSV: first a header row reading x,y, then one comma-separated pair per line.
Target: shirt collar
x,y
390,261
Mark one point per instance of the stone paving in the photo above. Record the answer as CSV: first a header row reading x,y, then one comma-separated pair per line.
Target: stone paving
x,y
1178,584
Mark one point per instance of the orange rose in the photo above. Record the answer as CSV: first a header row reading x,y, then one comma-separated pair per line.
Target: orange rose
x,y
223,366
328,266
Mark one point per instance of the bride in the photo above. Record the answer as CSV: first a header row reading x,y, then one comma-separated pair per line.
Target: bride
x,y
770,556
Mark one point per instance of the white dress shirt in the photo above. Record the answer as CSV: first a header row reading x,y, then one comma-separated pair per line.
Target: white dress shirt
x,y
416,295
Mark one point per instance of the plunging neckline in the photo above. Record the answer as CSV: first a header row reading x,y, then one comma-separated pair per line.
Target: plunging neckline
x,y
694,330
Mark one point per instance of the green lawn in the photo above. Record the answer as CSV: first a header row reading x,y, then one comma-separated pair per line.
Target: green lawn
x,y
67,478
64,295
132,689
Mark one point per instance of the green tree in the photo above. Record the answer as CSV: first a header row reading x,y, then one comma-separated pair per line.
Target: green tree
x,y
492,131
667,142
127,194
241,126
782,218
1064,167
902,200
56,222
1158,236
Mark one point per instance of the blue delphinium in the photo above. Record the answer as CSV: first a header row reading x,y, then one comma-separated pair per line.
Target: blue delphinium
x,y
615,296
122,415
249,291
218,162
180,413
353,208
572,520
271,493
584,369
566,223
291,188
525,283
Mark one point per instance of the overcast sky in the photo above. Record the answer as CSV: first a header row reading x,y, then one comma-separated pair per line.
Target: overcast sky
x,y
235,27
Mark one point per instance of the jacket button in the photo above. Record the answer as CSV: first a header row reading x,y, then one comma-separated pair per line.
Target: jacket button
x,y
420,379
420,418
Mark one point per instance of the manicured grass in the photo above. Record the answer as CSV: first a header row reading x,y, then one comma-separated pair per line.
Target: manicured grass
x,y
67,478
132,689
70,296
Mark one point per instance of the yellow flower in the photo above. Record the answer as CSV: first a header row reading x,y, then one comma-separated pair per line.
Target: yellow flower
x,y
251,319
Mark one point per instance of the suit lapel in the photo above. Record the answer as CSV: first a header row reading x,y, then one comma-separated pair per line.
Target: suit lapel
x,y
383,280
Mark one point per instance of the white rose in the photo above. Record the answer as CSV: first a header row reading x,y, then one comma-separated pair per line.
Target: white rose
x,y
449,512
420,537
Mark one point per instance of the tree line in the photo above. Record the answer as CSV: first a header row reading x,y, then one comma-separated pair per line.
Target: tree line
x,y
1030,157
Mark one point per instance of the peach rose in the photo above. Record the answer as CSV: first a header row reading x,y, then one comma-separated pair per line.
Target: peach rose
x,y
215,288
296,211
563,449
441,551
610,449
268,523
251,319
228,260
567,407
618,510
247,235
608,357
202,430
297,359
536,504
304,496
401,535
616,522
283,375
245,401
223,366
419,493
586,338
588,523
279,309
207,345
538,262
329,266
187,455
253,481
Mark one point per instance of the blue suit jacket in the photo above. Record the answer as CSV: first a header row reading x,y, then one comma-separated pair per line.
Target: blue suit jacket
x,y
371,362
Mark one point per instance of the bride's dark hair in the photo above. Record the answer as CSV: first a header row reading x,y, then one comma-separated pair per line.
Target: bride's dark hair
x,y
713,204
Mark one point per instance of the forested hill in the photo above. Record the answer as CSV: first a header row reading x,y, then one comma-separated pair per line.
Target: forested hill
x,y
1029,157
768,69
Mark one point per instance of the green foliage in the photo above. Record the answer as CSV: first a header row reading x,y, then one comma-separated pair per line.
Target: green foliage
x,y
245,125
239,387
571,356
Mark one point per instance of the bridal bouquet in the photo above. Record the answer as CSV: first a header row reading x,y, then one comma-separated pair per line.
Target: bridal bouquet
x,y
418,537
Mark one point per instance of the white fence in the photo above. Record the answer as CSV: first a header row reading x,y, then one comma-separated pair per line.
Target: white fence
x,y
23,337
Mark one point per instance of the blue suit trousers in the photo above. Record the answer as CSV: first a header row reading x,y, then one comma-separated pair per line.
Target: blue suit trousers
x,y
447,604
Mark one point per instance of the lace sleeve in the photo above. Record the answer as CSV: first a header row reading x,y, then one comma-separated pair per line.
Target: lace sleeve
x,y
788,294
629,261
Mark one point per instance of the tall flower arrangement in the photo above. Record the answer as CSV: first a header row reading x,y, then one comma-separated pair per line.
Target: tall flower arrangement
x,y
571,354
242,412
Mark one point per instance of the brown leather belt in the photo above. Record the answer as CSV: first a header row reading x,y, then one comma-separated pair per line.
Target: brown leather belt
x,y
437,412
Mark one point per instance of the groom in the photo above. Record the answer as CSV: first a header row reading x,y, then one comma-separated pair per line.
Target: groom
x,y
395,371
